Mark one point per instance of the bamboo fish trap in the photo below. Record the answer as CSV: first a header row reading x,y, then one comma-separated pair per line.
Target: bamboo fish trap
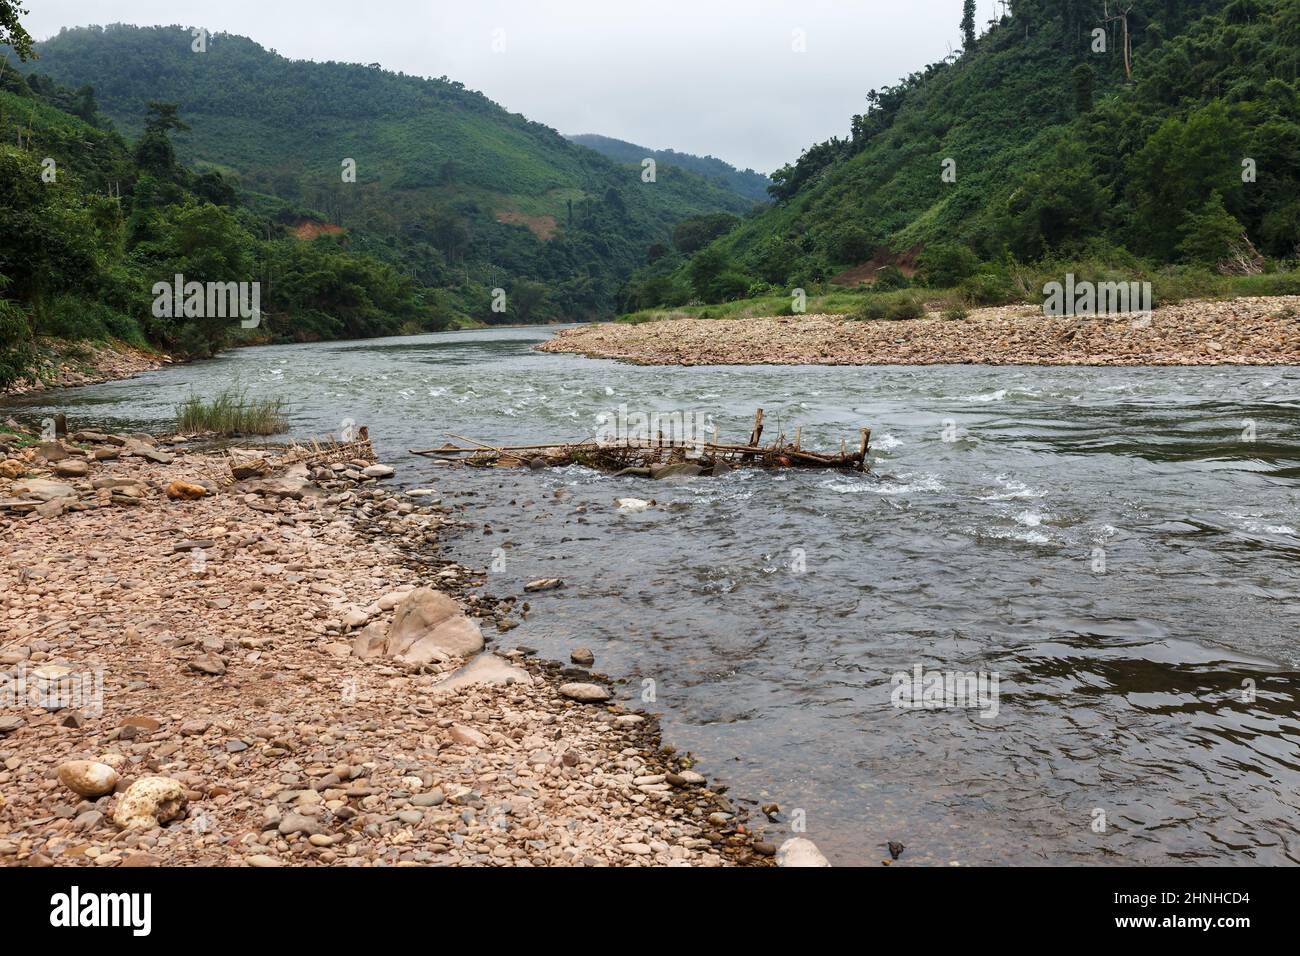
x,y
656,457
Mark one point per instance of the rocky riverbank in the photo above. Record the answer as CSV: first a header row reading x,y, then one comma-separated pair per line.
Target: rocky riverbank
x,y
1257,331
65,364
272,671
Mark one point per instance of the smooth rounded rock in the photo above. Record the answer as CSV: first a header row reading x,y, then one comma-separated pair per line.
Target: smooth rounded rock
x,y
88,778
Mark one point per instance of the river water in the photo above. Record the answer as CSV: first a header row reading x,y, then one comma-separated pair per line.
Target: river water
x,y
1108,544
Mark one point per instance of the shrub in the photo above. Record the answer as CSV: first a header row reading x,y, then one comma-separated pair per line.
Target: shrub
x,y
871,311
729,286
989,288
955,313
908,307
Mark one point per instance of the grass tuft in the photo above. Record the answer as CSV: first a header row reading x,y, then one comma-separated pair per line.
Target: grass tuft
x,y
231,413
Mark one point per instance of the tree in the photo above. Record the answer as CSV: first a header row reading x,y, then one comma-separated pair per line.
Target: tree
x,y
154,152
968,25
693,234
1210,234
205,243
86,107
1084,77
945,264
705,268
162,118
12,33
1181,164
527,300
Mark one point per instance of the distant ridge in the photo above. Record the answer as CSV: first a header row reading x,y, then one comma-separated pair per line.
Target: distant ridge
x,y
746,182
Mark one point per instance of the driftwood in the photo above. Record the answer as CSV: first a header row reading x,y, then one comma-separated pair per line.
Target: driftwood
x,y
650,456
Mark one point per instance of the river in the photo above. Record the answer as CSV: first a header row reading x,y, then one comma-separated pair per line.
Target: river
x,y
1118,548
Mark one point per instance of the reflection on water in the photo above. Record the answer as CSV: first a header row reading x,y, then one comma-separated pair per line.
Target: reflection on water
x,y
1104,540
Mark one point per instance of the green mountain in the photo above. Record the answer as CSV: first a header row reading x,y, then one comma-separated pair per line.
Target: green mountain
x,y
456,191
748,183
1042,140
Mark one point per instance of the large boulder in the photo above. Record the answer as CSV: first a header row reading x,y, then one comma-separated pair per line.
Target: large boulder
x,y
429,626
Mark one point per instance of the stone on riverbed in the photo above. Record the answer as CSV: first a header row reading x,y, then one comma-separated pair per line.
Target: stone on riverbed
x,y
485,669
544,584
72,468
185,491
43,490
428,626
138,448
88,778
149,802
587,693
800,852
468,736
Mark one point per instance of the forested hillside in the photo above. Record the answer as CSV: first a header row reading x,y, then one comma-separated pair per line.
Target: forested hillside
x,y
1042,139
748,183
450,187
91,223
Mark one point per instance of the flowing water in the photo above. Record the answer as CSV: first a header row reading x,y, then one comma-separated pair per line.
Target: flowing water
x,y
1107,543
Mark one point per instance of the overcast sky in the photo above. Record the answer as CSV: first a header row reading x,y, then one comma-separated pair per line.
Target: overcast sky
x,y
715,77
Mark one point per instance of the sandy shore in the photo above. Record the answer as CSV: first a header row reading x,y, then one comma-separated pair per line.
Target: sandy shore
x,y
83,363
1258,331
259,665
